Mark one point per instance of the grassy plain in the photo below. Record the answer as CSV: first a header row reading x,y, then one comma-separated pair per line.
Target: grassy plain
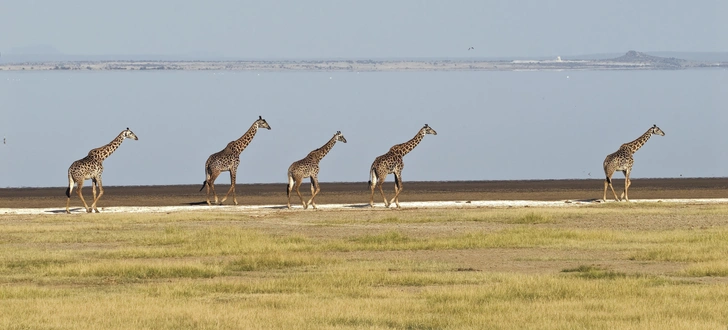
x,y
614,265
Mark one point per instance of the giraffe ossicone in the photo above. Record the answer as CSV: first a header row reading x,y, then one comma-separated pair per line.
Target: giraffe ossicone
x,y
622,160
392,162
227,160
91,167
309,167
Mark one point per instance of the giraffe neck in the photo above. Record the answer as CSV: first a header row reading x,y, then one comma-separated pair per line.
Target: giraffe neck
x,y
320,153
639,142
239,145
103,152
404,148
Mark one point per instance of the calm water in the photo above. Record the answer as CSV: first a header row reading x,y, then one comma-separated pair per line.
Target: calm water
x,y
491,125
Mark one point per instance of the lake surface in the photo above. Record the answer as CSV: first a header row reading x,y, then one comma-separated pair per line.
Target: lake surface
x,y
491,125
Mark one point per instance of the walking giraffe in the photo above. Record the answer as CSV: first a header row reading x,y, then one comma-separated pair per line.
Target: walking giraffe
x,y
392,162
91,167
622,160
228,159
309,167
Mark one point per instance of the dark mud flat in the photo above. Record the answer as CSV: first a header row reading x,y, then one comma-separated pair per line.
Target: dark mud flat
x,y
358,192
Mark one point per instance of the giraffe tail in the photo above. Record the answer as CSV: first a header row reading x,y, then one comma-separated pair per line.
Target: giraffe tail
x,y
609,180
70,186
204,183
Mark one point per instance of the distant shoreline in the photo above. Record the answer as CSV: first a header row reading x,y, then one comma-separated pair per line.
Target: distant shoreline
x,y
364,65
358,193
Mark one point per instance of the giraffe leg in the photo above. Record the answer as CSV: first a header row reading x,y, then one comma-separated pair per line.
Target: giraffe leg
x,y
297,186
80,195
232,185
93,194
101,192
608,183
68,204
397,188
289,188
211,186
314,192
627,183
232,188
380,183
613,192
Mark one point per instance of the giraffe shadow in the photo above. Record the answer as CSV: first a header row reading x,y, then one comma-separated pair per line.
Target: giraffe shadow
x,y
73,210
281,207
195,203
357,206
588,200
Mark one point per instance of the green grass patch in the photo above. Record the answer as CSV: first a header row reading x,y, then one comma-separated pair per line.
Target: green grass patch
x,y
269,261
593,272
532,218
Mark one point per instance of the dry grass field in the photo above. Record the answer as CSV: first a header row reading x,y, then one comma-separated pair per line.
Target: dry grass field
x,y
609,265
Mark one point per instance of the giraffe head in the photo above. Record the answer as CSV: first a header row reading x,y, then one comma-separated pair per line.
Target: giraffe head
x,y
657,130
262,123
339,137
128,134
428,130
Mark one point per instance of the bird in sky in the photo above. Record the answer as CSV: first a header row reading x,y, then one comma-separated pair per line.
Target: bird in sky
x,y
471,48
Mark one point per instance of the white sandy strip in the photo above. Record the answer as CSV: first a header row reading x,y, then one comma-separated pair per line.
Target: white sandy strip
x,y
411,205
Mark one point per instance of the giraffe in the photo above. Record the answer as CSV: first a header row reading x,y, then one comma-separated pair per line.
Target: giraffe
x,y
309,167
228,159
91,167
392,162
622,160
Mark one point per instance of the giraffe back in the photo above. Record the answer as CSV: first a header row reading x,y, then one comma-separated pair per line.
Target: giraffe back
x,y
309,165
85,168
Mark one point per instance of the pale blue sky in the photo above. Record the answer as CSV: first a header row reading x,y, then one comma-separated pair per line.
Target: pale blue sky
x,y
491,125
364,29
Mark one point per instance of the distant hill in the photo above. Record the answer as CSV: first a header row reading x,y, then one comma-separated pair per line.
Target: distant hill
x,y
638,57
689,56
